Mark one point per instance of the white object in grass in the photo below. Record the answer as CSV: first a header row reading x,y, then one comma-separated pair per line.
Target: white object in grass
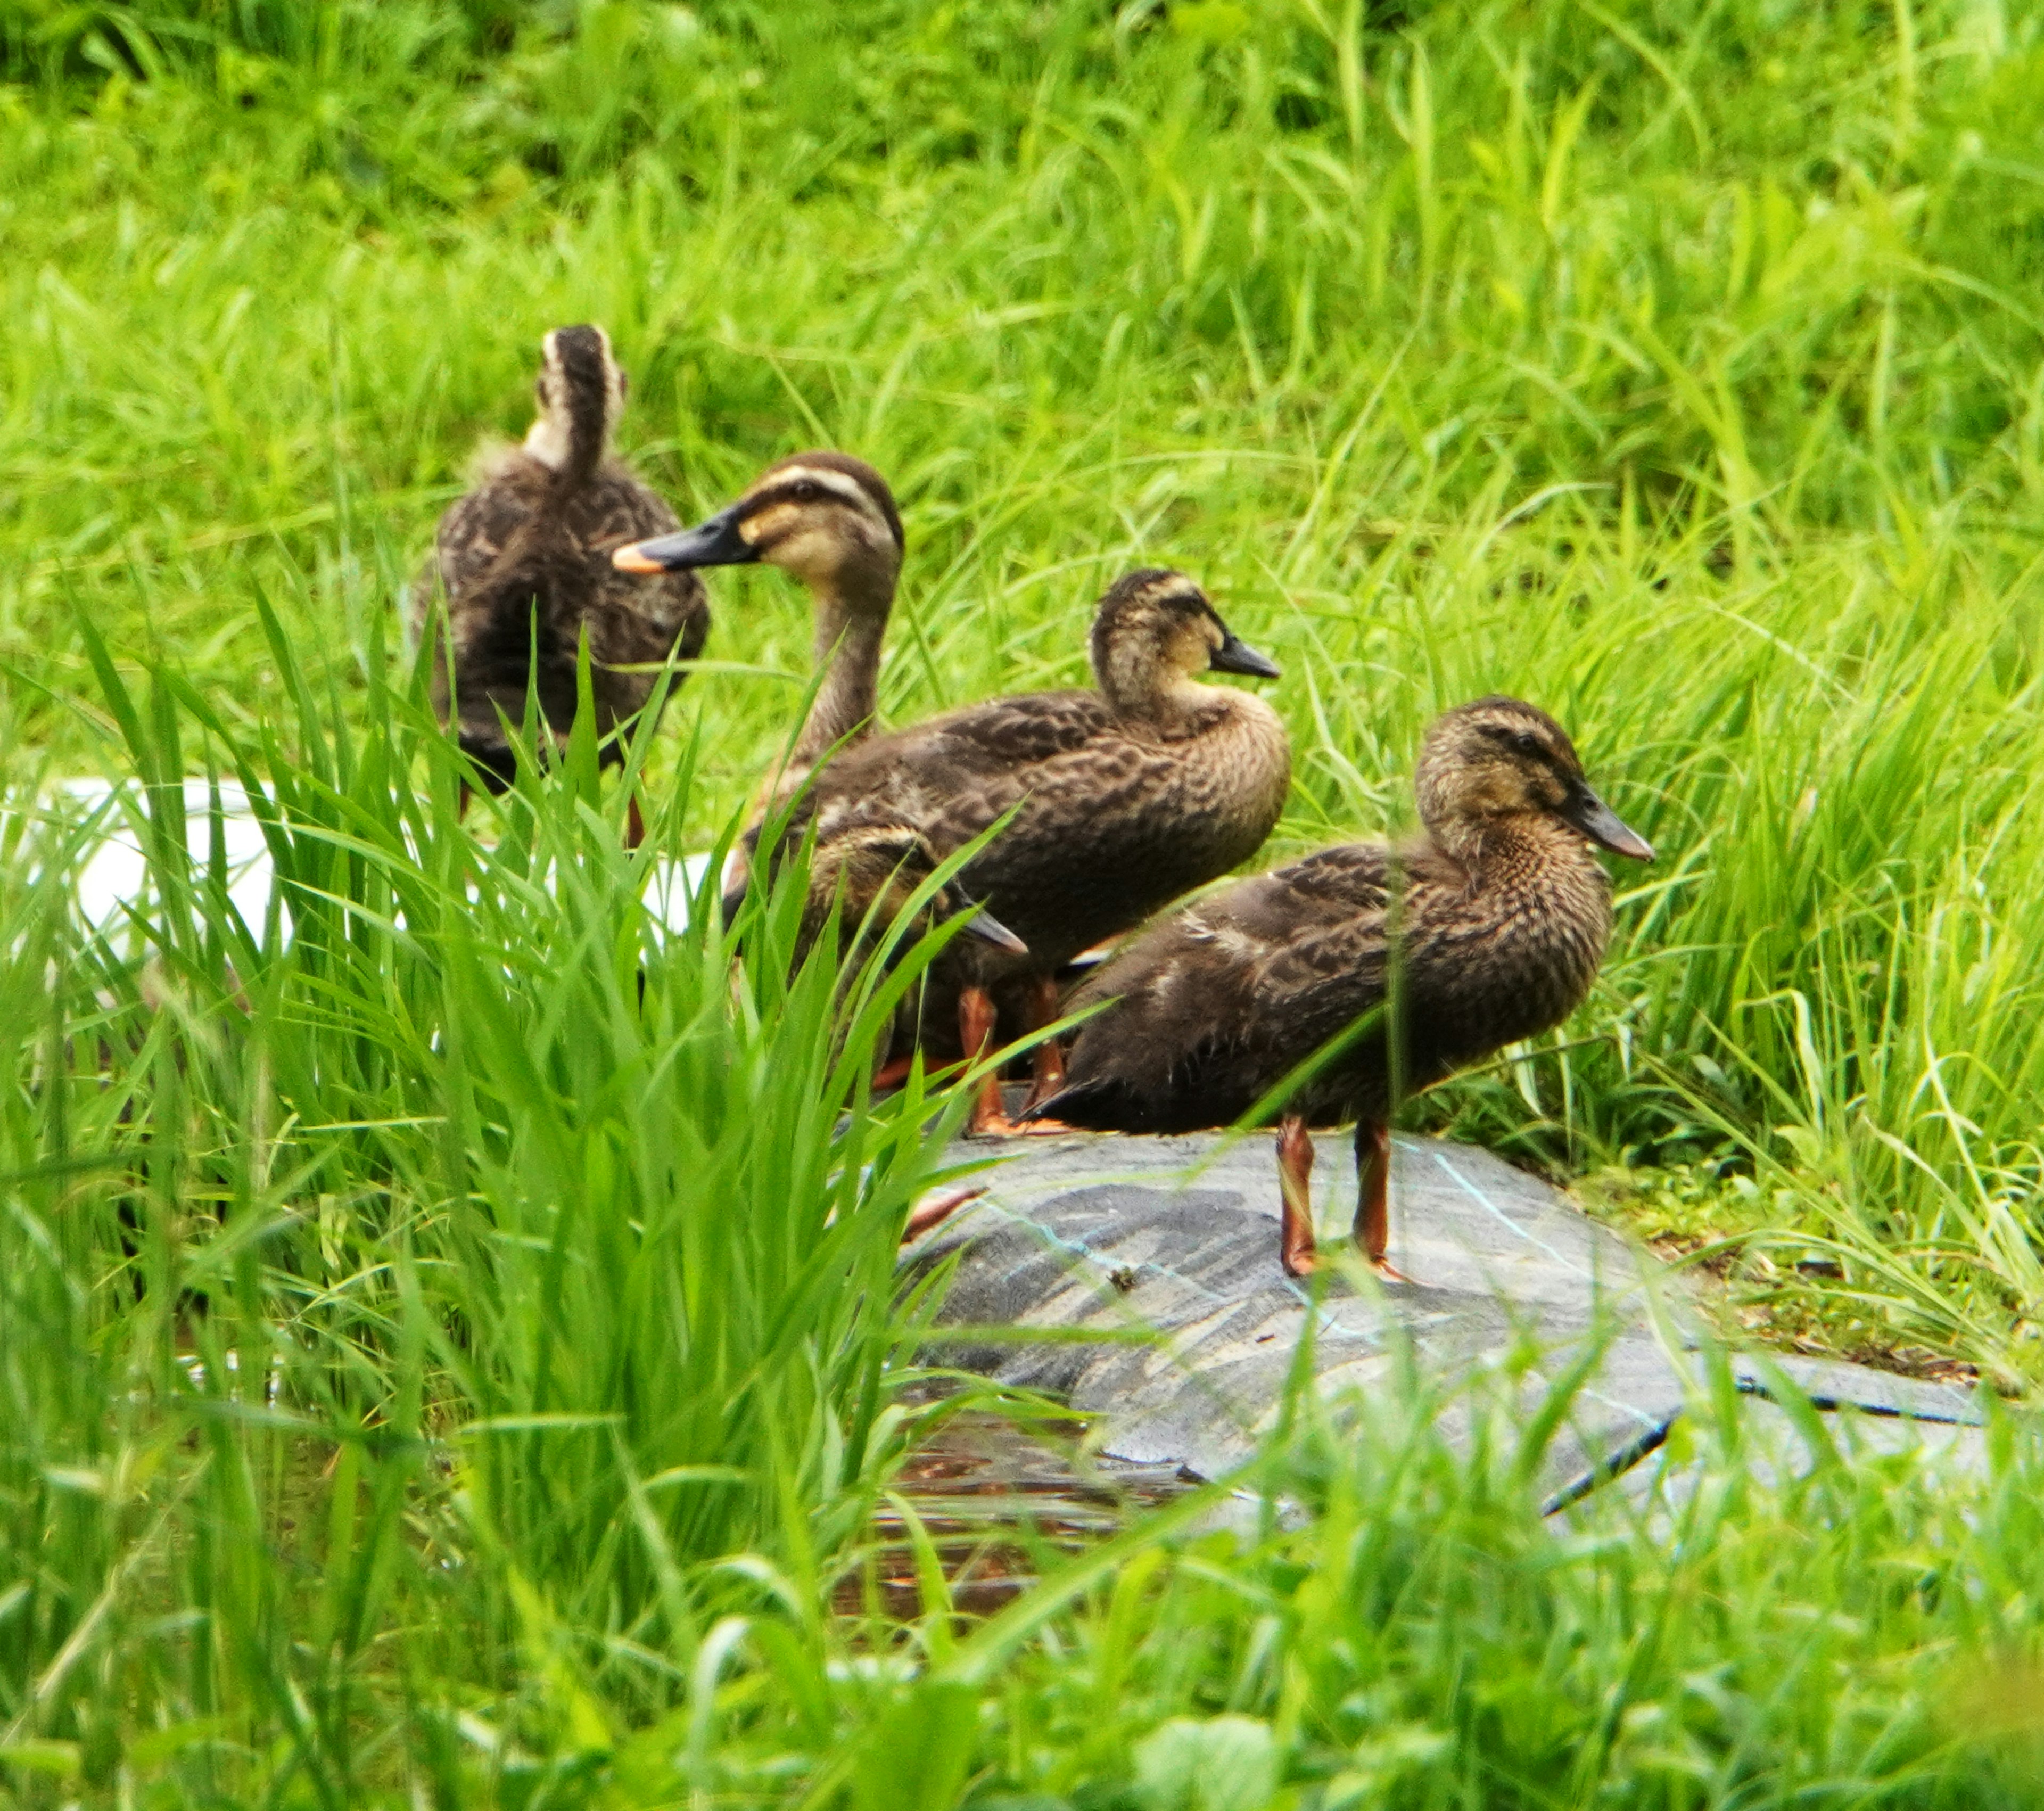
x,y
112,881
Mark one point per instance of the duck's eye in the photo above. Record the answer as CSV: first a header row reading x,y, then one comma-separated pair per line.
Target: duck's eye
x,y
807,490
1526,742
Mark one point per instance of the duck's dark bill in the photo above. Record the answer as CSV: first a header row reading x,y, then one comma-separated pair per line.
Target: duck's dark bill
x,y
1601,824
715,542
1235,655
983,924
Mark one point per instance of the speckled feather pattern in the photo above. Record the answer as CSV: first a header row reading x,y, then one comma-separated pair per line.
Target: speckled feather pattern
x,y
1216,1005
1118,813
529,537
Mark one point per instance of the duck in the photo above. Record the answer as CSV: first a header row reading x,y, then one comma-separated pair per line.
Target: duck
x,y
829,520
1105,804
1494,917
861,883
523,561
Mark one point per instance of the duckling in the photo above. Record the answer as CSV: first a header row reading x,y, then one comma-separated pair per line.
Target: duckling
x,y
1494,918
525,558
829,520
1125,797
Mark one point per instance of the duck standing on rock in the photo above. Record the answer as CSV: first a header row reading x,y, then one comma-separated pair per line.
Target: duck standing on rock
x,y
1123,797
525,561
1485,928
829,520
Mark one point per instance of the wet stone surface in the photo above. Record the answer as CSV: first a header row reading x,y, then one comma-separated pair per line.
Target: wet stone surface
x,y
1167,1248
999,1500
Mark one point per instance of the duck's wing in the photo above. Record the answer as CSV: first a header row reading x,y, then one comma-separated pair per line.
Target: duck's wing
x,y
498,619
632,621
1215,1006
958,773
476,530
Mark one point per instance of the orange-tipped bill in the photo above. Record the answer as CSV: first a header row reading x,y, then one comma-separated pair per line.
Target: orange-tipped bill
x,y
720,541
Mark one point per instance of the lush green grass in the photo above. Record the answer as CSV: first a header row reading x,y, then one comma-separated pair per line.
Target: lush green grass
x,y
1677,366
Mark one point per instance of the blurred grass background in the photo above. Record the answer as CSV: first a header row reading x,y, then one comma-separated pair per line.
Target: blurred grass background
x,y
1677,365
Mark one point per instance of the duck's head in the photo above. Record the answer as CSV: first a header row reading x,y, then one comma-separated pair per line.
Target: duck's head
x,y
878,868
1154,630
826,517
580,393
1485,765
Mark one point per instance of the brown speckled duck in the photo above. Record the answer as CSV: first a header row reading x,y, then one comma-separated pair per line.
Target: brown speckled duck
x,y
830,520
525,562
1125,797
1501,919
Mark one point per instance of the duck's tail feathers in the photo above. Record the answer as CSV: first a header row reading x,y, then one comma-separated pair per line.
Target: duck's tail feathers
x,y
1097,1104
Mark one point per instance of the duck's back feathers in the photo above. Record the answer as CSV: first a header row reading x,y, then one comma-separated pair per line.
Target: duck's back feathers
x,y
524,562
1112,819
1213,1009
1196,1035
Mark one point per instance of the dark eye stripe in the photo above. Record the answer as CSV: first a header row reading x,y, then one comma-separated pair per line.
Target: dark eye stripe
x,y
1522,740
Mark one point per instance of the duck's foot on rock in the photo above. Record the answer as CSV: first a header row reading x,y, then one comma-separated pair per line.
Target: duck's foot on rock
x,y
1000,1125
1303,1263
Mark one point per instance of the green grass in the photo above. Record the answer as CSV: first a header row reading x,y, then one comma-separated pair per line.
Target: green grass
x,y
1679,366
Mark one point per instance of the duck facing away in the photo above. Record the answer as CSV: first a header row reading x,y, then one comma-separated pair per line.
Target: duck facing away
x,y
1496,915
830,520
525,561
1124,797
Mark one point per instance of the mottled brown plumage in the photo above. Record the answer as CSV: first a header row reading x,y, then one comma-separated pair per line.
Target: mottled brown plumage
x,y
830,520
524,560
1502,916
869,878
1125,797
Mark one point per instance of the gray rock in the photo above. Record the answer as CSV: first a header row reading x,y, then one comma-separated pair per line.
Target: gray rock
x,y
1148,1269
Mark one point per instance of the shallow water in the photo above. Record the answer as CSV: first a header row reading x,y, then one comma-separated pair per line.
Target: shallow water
x,y
1001,1501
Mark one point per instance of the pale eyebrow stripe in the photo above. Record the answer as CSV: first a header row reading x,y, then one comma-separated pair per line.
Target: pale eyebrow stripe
x,y
845,490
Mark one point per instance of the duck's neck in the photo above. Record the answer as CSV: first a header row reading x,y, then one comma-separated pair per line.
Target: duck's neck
x,y
1523,850
851,621
1168,704
849,632
569,443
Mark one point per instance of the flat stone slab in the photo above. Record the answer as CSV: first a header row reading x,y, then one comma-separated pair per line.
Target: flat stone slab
x,y
1150,1267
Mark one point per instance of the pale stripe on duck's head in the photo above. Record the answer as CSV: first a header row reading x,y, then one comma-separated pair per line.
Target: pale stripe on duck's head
x,y
1154,627
823,516
1500,757
822,478
580,393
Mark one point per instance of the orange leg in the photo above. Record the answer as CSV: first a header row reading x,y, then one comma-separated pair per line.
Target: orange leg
x,y
1373,1205
1295,1188
976,1022
893,1072
1047,1064
977,1018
